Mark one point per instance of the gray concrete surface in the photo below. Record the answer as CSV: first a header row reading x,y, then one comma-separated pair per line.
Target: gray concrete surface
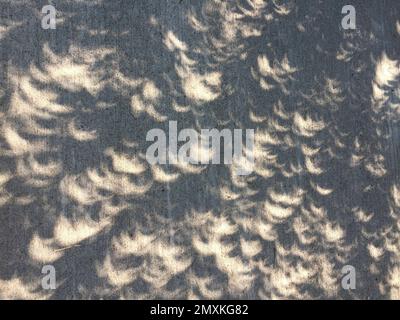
x,y
77,193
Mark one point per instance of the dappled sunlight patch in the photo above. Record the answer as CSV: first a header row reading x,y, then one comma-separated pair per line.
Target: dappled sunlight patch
x,y
116,183
333,233
287,276
294,198
250,248
394,282
200,88
387,71
19,145
375,165
125,163
18,289
44,250
139,244
283,8
320,189
161,175
312,166
148,101
173,43
78,134
116,276
72,75
38,174
207,287
273,73
4,195
240,275
306,126
159,260
395,193
32,101
79,190
68,232
277,213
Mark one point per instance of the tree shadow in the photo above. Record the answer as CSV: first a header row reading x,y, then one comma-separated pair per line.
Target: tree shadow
x,y
76,190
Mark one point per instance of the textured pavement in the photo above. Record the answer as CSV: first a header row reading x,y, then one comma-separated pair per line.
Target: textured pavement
x,y
76,190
